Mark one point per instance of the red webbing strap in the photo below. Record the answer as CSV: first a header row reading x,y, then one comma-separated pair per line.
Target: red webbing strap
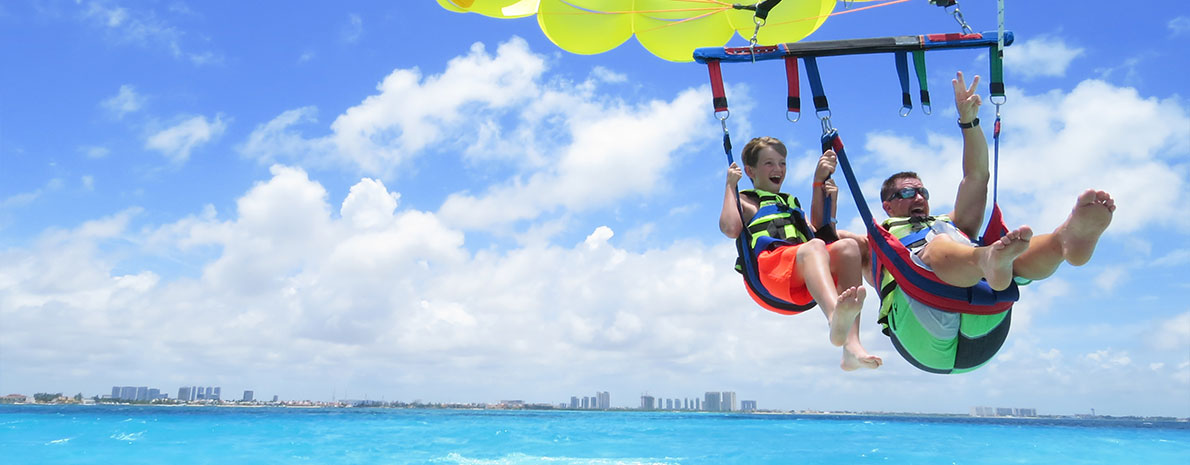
x,y
794,101
720,98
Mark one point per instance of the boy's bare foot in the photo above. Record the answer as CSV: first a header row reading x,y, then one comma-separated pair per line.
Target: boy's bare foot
x,y
847,309
1080,233
996,263
855,357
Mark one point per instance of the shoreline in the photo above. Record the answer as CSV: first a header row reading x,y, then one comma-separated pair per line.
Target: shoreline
x,y
806,413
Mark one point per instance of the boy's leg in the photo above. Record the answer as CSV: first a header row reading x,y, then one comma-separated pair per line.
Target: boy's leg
x,y
842,303
814,265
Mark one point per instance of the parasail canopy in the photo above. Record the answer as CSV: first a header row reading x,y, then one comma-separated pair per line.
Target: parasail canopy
x,y
670,29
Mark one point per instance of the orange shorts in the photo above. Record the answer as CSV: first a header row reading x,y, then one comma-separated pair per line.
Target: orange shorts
x,y
779,274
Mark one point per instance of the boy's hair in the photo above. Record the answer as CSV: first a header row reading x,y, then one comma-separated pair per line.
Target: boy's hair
x,y
751,153
887,188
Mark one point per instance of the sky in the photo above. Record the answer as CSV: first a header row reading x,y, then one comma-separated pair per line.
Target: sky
x,y
389,200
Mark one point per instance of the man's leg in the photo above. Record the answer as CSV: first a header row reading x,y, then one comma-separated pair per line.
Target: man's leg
x,y
963,266
1072,242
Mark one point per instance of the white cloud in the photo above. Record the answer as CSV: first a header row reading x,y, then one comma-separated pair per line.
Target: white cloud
x,y
1108,358
596,150
369,205
615,152
1178,26
95,151
1176,257
178,141
1110,278
124,102
354,28
411,113
1127,71
1172,334
1047,56
27,198
606,75
142,28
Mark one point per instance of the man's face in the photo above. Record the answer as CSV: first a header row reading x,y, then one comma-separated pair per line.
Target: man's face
x,y
769,172
916,206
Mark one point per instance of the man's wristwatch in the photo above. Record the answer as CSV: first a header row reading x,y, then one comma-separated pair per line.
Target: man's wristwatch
x,y
973,123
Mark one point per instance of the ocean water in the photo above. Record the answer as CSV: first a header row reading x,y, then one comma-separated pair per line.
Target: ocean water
x,y
213,435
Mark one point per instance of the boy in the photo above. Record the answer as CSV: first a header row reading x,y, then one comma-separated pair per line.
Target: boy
x,y
806,269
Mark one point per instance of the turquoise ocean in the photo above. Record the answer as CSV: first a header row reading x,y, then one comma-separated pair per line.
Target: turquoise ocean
x,y
221,435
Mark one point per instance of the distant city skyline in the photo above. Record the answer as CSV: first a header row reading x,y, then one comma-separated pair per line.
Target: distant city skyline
x,y
711,401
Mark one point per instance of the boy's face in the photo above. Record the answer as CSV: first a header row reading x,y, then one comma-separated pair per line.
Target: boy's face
x,y
769,171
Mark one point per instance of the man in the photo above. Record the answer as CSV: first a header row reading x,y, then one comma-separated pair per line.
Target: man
x,y
945,342
946,249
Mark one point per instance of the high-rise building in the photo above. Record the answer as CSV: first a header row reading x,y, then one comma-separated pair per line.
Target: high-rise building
x,y
128,393
248,397
711,402
603,400
646,402
747,406
142,393
154,393
218,395
195,393
573,401
727,402
115,392
184,393
210,393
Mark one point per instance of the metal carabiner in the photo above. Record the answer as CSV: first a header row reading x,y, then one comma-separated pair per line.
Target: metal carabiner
x,y
825,120
755,32
958,16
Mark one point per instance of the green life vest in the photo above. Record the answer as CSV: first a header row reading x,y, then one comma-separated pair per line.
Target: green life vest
x,y
779,216
902,227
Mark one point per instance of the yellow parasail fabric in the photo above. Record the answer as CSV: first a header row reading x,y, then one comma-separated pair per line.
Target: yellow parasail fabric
x,y
670,29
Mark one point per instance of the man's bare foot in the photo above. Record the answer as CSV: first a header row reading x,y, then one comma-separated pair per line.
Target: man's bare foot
x,y
996,263
855,357
847,309
1080,233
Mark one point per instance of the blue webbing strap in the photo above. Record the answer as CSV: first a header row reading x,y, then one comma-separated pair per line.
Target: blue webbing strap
x,y
823,111
902,58
820,103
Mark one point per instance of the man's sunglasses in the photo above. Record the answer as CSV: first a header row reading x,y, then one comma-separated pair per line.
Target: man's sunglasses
x,y
909,193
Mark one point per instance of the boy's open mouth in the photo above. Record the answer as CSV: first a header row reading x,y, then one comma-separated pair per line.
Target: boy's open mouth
x,y
775,179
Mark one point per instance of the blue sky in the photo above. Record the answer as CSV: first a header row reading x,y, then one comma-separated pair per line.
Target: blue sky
x,y
390,200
